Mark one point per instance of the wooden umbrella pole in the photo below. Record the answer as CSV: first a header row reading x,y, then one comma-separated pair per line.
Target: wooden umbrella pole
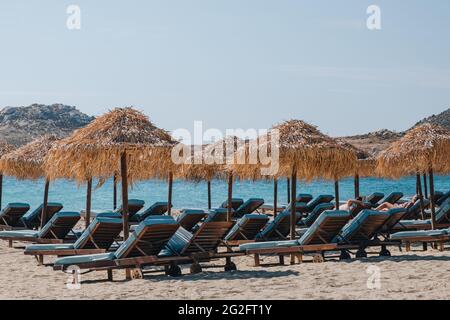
x,y
419,193
1,190
124,177
209,195
88,202
288,190
293,203
115,192
230,197
336,193
357,193
169,196
45,204
275,197
425,187
433,208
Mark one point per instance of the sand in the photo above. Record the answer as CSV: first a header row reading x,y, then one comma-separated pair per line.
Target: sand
x,y
413,275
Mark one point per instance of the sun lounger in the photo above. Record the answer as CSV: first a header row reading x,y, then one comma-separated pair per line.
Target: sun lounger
x,y
235,203
324,198
309,220
437,196
393,198
32,219
414,211
436,236
55,231
97,238
10,216
279,227
134,206
250,206
317,238
374,198
157,209
442,218
189,218
442,199
304,198
247,227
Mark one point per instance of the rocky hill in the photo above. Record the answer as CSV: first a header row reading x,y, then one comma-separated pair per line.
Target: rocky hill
x,y
442,119
374,142
20,125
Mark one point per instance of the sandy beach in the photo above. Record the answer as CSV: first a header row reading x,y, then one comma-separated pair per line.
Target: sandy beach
x,y
413,275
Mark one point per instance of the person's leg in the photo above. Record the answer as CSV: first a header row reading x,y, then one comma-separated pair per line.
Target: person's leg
x,y
384,206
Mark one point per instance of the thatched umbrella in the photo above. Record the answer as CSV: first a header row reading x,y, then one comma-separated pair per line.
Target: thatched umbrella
x,y
423,149
303,152
5,148
210,162
123,140
27,162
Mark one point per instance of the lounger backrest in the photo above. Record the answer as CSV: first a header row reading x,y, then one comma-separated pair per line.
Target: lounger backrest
x,y
326,227
59,225
134,206
324,198
100,234
148,239
12,213
207,238
157,209
32,219
443,198
217,215
395,215
443,214
375,197
189,218
235,203
437,196
309,220
394,197
363,227
279,227
304,198
248,207
414,211
299,207
248,227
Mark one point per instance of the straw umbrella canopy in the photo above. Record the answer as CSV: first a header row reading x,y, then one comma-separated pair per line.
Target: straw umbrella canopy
x,y
5,148
123,140
423,149
27,162
301,151
209,162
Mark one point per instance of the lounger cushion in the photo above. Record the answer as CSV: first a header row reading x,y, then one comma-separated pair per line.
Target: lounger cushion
x,y
19,234
324,198
74,260
87,233
179,241
272,228
393,197
354,225
157,209
217,215
31,218
250,206
311,232
54,221
375,197
413,223
48,247
235,203
309,220
304,198
418,234
268,245
243,221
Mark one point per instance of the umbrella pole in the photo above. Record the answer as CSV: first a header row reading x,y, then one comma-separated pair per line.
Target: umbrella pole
x,y
288,190
169,197
293,204
115,192
419,193
230,197
124,176
275,197
425,187
44,206
88,202
209,195
433,209
1,190
336,193
357,193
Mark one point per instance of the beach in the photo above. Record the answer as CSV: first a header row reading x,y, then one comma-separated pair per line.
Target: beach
x,y
406,275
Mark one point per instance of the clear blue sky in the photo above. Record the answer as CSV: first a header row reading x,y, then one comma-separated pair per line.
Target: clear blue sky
x,y
232,63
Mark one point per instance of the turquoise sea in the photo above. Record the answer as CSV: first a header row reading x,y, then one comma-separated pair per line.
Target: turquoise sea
x,y
194,195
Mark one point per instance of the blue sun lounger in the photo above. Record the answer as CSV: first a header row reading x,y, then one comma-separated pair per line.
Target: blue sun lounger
x,y
279,227
11,215
189,218
393,198
134,206
304,198
55,231
97,238
248,207
309,220
324,198
436,236
374,198
443,198
156,209
32,219
247,227
235,203
442,218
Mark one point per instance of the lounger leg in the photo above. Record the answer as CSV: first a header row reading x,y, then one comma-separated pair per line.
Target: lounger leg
x,y
127,274
441,246
110,275
10,243
257,261
408,246
40,260
300,258
292,259
281,257
425,246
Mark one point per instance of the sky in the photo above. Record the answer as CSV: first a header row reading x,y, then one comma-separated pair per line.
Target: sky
x,y
232,63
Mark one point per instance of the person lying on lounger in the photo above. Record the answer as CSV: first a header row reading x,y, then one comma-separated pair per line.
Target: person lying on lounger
x,y
354,202
386,206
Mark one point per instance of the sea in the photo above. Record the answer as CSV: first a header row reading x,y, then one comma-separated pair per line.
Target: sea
x,y
194,195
